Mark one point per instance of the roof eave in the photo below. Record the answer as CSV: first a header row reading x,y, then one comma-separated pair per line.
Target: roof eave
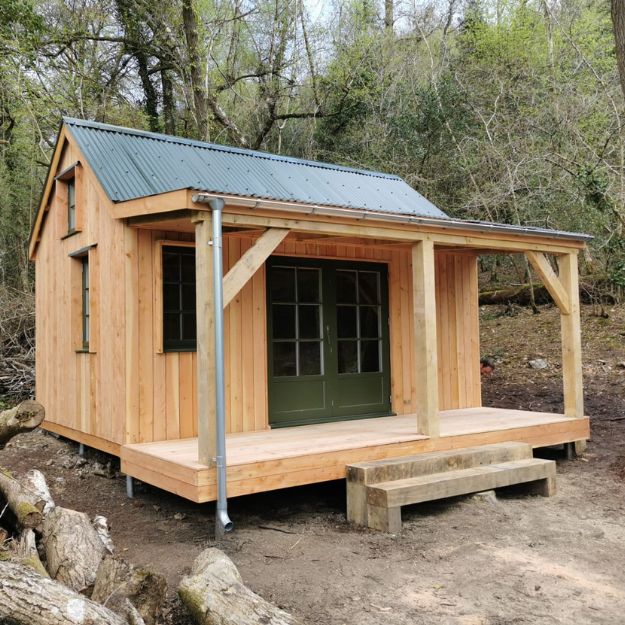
x,y
369,215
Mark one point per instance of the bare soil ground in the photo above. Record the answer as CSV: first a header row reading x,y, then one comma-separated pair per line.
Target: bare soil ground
x,y
460,562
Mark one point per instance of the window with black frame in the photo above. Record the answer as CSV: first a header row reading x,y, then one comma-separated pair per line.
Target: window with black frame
x,y
179,319
71,206
86,312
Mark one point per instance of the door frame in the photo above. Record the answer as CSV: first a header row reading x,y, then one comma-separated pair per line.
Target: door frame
x,y
334,263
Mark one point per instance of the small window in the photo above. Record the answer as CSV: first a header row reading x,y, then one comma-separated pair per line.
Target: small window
x,y
179,320
71,205
85,302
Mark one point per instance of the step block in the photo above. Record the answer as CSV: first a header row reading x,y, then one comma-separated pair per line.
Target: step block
x,y
461,482
436,462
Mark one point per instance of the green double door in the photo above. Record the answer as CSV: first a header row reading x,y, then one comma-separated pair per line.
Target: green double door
x,y
328,341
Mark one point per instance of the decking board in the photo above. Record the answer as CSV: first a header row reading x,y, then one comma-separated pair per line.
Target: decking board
x,y
271,459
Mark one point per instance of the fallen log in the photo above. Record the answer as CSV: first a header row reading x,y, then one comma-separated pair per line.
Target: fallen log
x,y
35,481
27,598
24,552
73,548
25,505
521,295
119,585
215,594
26,416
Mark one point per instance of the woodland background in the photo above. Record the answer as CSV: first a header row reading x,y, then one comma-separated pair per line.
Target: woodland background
x,y
501,110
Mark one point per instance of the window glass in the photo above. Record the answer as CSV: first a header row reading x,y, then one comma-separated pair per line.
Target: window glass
x,y
85,302
309,358
283,284
348,356
345,286
71,206
284,358
308,322
179,319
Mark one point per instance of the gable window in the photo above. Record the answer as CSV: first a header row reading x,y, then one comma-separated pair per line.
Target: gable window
x,y
86,313
179,321
71,205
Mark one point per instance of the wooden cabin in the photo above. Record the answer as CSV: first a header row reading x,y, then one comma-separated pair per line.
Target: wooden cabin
x,y
351,314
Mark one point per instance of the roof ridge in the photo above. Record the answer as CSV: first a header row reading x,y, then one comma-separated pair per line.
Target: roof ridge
x,y
157,136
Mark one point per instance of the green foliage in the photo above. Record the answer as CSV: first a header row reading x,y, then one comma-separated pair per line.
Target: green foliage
x,y
509,111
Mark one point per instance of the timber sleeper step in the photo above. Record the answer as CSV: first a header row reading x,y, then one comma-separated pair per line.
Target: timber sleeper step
x,y
384,500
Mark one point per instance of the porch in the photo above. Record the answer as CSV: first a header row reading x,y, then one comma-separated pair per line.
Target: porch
x,y
285,457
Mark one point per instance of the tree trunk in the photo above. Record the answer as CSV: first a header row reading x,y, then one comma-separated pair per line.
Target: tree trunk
x,y
389,18
200,104
169,104
27,598
120,584
618,23
73,548
27,416
26,506
215,595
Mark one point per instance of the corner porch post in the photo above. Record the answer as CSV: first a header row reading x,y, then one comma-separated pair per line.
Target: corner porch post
x,y
424,342
205,303
571,338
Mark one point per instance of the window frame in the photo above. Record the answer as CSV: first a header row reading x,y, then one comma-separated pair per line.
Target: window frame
x,y
71,205
71,178
85,293
162,343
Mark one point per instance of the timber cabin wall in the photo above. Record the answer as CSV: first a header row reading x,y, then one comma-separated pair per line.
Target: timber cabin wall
x,y
83,392
162,389
126,389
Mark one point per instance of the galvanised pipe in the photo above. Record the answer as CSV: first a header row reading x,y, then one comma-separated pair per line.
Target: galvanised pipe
x,y
223,524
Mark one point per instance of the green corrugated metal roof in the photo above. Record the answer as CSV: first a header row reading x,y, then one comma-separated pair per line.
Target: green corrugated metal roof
x,y
131,164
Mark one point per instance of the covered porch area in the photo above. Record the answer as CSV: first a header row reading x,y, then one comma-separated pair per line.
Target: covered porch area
x,y
285,457
433,344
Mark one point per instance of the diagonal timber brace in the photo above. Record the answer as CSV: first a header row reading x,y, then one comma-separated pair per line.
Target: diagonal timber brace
x,y
251,261
551,281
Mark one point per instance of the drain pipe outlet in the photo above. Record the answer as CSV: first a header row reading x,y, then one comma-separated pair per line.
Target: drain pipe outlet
x,y
223,524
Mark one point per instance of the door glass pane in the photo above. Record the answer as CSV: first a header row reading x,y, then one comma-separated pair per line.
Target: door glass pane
x,y
283,321
368,287
369,322
369,356
309,358
283,284
348,356
284,359
308,322
347,327
308,285
345,287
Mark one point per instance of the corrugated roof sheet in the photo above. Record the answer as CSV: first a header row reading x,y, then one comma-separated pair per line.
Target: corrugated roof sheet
x,y
132,164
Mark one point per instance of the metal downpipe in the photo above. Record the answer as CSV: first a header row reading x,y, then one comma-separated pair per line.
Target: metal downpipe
x,y
223,524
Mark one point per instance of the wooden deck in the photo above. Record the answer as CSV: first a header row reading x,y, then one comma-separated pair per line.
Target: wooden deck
x,y
271,459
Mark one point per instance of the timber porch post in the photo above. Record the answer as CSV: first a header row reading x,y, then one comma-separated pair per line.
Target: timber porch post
x,y
424,343
572,377
205,319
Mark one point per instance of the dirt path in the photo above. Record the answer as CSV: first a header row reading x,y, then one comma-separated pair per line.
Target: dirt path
x,y
466,561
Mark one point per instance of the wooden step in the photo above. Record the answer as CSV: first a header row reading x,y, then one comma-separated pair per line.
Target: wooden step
x,y
384,500
362,474
436,462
